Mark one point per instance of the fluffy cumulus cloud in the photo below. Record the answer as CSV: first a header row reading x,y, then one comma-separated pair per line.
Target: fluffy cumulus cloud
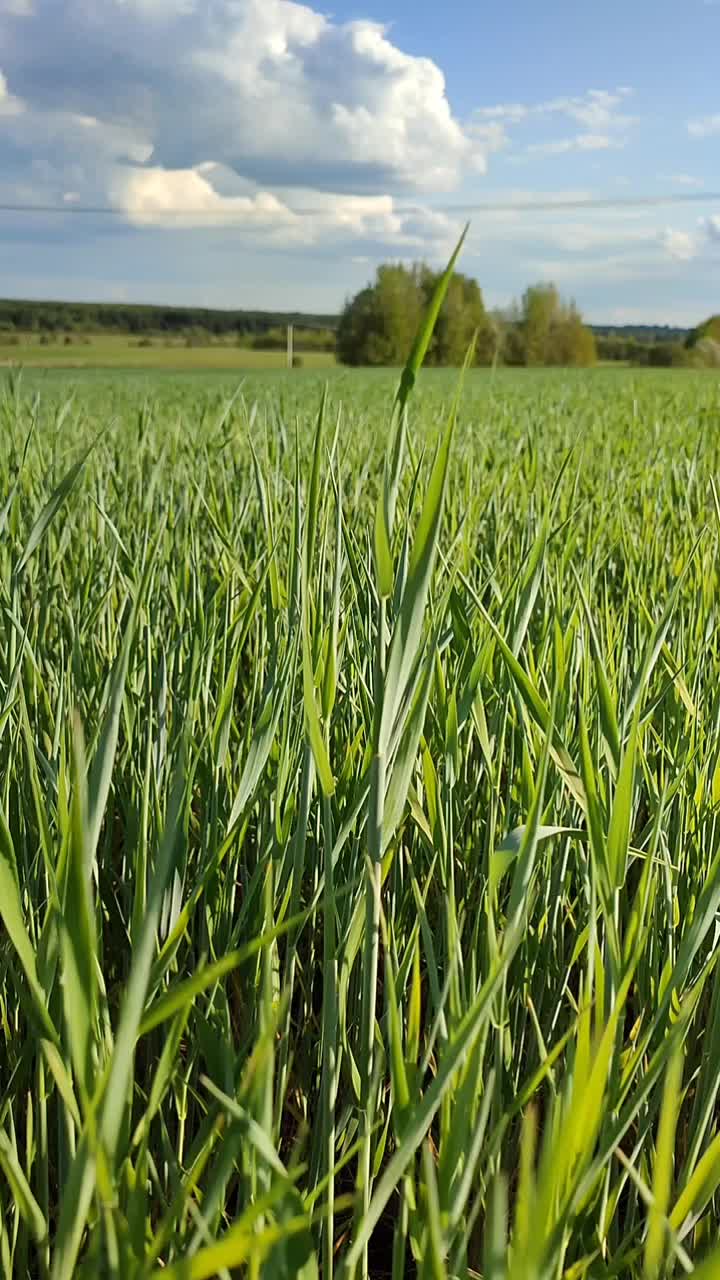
x,y
213,195
271,89
151,196
262,113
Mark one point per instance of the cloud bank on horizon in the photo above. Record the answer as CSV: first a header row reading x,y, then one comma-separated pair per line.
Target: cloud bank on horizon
x,y
267,129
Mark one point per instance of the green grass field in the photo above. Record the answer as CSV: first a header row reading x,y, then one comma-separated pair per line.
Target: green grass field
x,y
359,825
119,351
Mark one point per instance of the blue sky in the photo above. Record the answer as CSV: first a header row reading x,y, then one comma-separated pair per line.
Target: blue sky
x,y
541,51
268,153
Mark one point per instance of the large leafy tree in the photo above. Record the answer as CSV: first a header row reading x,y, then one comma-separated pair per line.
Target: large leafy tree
x,y
377,325
540,310
462,318
551,331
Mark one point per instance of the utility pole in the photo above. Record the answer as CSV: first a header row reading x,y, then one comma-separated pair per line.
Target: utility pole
x,y
289,346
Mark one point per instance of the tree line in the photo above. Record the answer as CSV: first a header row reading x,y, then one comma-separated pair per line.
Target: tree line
x,y
156,321
377,326
665,348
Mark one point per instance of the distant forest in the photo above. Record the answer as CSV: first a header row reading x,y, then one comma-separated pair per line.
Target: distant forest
x,y
119,318
642,332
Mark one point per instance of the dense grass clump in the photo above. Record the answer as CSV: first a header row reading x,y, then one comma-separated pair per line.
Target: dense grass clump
x,y
359,827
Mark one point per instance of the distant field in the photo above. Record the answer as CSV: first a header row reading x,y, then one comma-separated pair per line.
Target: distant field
x,y
123,352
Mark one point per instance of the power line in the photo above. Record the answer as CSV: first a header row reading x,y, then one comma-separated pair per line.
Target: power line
x,y
478,209
591,202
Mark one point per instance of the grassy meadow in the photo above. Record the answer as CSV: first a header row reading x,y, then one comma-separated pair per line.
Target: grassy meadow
x,y
121,351
359,825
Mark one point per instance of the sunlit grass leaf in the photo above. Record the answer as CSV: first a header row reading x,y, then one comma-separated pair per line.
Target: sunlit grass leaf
x,y
12,917
50,510
78,941
663,1167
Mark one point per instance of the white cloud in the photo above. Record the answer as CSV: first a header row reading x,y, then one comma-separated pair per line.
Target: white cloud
x,y
600,112
685,246
270,88
581,237
64,150
598,236
9,105
581,142
596,110
683,180
17,8
613,269
608,253
680,245
510,113
185,198
185,114
212,196
706,127
160,9
489,136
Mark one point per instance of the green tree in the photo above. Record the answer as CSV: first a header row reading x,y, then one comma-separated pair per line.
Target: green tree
x,y
552,331
378,325
540,306
355,328
512,335
706,353
708,329
571,342
463,317
399,306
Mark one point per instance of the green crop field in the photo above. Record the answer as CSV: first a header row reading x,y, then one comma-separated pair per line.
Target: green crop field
x,y
120,351
359,825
